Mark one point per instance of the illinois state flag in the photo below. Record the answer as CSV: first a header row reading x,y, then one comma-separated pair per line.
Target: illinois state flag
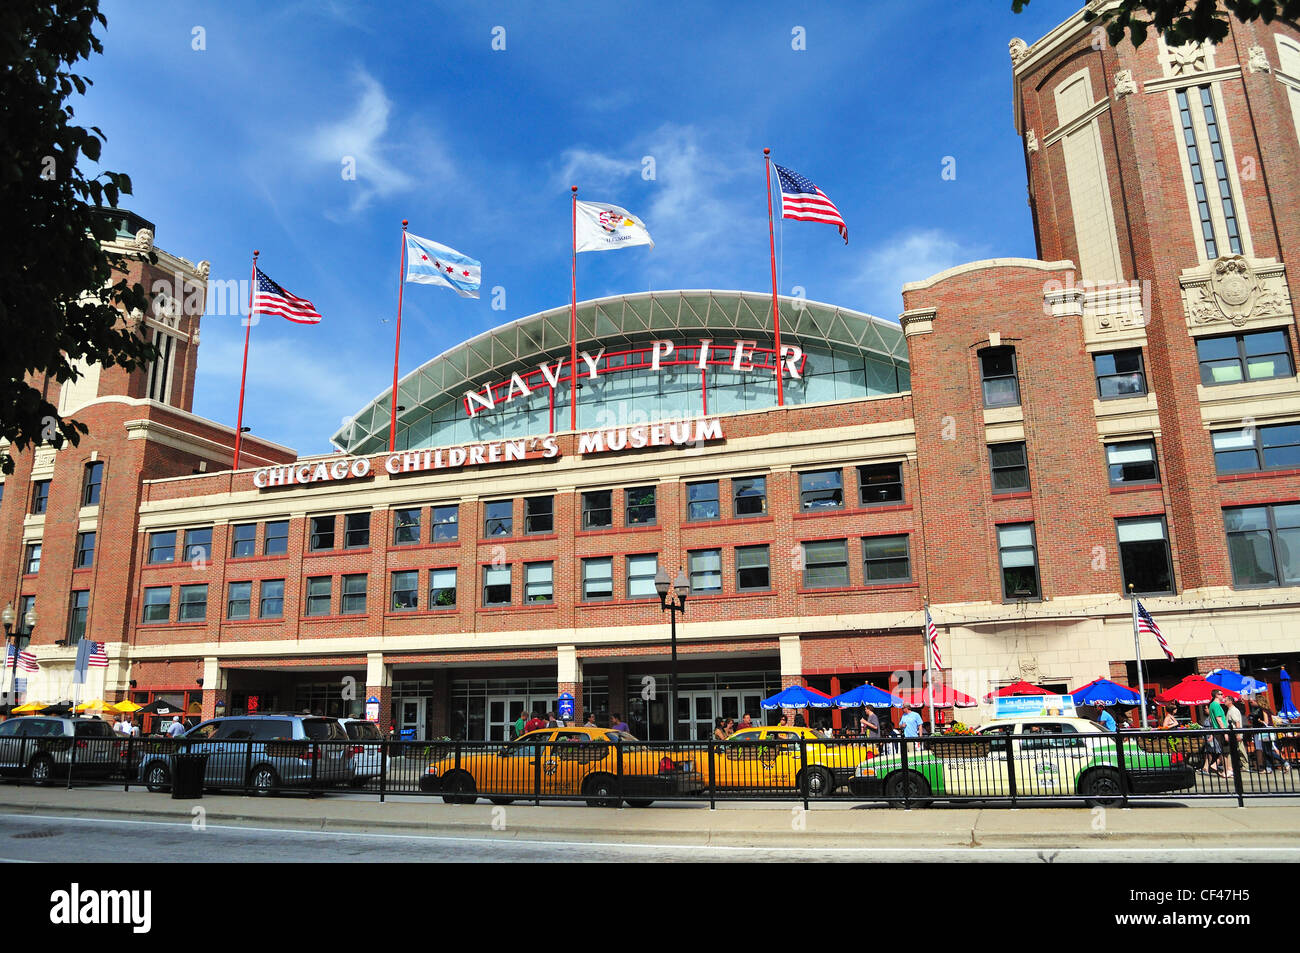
x,y
428,263
601,227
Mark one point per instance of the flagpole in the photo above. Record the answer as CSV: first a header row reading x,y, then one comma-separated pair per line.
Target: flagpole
x,y
243,375
573,323
776,311
929,653
1137,651
397,346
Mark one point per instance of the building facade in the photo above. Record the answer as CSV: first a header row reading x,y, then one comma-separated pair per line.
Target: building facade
x,y
1032,439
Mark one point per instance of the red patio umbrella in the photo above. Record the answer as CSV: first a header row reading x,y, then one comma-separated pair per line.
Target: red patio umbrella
x,y
945,696
1016,688
1193,690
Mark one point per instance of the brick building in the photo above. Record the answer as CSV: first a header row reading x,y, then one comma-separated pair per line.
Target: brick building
x,y
1034,437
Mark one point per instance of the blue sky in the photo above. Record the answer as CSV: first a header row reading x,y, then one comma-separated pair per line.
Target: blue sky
x,y
241,145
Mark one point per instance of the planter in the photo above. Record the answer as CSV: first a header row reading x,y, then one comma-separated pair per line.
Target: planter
x,y
959,746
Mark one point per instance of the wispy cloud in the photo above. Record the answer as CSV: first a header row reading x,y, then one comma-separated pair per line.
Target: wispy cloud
x,y
909,256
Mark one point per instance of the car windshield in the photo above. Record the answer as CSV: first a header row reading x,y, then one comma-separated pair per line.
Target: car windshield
x,y
323,729
93,729
363,731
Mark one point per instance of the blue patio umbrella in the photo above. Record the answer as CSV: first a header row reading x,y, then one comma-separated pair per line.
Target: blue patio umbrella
x,y
1104,692
870,696
1235,681
797,696
1286,708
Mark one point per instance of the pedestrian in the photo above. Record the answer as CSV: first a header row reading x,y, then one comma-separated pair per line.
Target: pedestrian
x,y
1105,719
786,721
517,728
118,726
590,722
1170,721
1217,745
911,723
871,724
720,730
800,721
550,720
533,723
1236,722
619,723
745,722
730,727
175,727
1265,750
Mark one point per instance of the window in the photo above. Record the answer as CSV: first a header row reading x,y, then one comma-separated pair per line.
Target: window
x,y
193,605
78,609
998,377
1018,556
886,559
354,594
1131,463
880,483
446,526
826,564
93,480
322,533
1264,545
539,583
641,571
640,506
821,490
1259,356
356,531
272,606
406,591
85,557
749,497
198,544
276,542
597,509
539,514
753,569
499,518
239,600
442,588
32,564
320,592
1197,152
705,570
598,579
162,547
23,630
158,604
406,527
496,585
1010,469
1144,555
243,540
1119,374
40,496
1257,448
702,501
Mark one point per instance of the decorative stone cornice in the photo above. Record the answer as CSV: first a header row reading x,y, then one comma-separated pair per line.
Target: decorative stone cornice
x,y
917,321
1235,292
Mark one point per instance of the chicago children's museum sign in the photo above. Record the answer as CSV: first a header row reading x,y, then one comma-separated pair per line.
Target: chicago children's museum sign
x,y
668,433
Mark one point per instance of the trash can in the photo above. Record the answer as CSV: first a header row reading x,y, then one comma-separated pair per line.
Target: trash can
x,y
187,775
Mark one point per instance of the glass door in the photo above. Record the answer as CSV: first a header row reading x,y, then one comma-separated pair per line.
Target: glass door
x,y
502,713
695,716
410,719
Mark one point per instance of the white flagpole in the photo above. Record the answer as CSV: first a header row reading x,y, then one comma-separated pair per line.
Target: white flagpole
x,y
1137,651
929,673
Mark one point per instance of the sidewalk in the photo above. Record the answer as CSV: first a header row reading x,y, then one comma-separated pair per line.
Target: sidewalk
x,y
769,826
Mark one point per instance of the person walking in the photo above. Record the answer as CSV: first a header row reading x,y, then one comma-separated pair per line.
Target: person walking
x,y
1217,719
518,727
619,723
1236,722
871,724
533,723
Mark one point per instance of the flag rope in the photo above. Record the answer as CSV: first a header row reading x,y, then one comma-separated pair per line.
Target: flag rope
x,y
397,345
243,375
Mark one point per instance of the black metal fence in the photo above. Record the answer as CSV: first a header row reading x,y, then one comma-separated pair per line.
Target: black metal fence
x,y
1036,766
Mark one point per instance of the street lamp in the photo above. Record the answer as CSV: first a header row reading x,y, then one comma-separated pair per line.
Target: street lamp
x,y
682,588
7,617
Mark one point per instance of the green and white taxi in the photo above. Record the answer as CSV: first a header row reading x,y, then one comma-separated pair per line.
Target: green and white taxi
x,y
1052,755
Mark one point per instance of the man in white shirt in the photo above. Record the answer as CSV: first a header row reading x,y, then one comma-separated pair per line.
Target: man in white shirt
x,y
119,728
175,727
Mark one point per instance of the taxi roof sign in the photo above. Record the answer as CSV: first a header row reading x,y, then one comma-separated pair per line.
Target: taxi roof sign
x,y
1045,706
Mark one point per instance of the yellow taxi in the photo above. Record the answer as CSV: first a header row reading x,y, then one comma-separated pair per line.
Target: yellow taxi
x,y
601,765
767,757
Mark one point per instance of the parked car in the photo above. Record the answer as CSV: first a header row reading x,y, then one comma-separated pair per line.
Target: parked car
x,y
42,747
367,758
579,762
777,765
262,752
1058,756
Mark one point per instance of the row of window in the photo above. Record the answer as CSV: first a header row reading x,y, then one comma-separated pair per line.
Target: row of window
x,y
91,482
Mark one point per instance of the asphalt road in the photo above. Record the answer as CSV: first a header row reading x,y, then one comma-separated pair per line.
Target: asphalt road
x,y
54,839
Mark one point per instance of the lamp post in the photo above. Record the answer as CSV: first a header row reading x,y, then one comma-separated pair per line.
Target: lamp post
x,y
681,587
7,617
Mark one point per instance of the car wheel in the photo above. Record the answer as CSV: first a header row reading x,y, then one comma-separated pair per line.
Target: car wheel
x,y
157,778
600,791
820,782
908,784
41,770
1102,786
502,800
263,780
460,788
640,802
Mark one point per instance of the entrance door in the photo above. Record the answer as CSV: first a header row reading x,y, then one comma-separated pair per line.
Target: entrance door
x,y
695,714
502,712
410,718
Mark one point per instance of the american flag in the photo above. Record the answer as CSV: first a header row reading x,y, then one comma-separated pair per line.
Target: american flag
x,y
11,656
1148,624
932,636
802,200
27,662
98,657
270,298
